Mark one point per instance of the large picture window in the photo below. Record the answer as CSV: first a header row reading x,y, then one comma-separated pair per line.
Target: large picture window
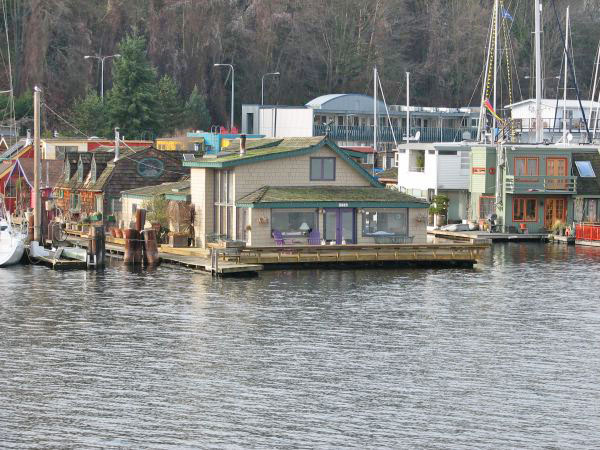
x,y
293,223
524,210
384,223
322,169
591,210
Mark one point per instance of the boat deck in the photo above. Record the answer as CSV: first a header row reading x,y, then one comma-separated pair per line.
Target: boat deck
x,y
483,236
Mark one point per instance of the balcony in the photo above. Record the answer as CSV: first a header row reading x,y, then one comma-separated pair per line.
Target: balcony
x,y
540,184
384,134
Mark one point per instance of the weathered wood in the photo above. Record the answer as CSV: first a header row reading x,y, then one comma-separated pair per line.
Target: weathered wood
x,y
150,248
140,219
133,248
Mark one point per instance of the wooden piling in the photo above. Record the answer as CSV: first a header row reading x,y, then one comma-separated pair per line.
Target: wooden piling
x,y
97,246
30,227
150,247
140,219
133,249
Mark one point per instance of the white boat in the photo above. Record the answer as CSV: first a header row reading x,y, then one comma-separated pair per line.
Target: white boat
x,y
12,242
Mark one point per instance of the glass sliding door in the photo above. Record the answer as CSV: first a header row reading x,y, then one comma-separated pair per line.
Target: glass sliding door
x,y
340,226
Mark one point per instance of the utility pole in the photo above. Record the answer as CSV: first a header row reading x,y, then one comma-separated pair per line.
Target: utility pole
x,y
407,107
539,130
37,167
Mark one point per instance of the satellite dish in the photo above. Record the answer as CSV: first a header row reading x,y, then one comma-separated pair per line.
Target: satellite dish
x,y
569,137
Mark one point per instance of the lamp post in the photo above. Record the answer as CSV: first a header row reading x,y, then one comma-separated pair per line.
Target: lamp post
x,y
101,59
232,89
262,86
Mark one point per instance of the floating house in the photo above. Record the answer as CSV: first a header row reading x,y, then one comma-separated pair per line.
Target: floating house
x,y
425,170
134,199
529,187
92,182
297,191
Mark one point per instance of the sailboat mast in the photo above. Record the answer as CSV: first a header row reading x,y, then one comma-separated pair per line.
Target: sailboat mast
x,y
496,15
37,169
564,136
538,75
407,107
374,116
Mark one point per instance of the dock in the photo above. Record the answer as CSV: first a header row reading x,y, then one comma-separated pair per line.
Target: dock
x,y
57,262
430,255
486,236
193,258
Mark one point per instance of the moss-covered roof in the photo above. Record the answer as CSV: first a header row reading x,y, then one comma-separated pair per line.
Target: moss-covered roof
x,y
587,185
390,174
258,150
271,196
182,187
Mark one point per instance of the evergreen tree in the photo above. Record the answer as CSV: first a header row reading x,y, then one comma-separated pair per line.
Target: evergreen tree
x,y
89,115
196,112
171,111
132,101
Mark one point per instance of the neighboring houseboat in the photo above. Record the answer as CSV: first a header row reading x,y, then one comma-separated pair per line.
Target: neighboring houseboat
x,y
18,184
92,182
134,199
587,200
298,191
529,187
425,170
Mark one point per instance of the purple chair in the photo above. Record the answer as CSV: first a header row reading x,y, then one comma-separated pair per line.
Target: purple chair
x,y
314,238
279,241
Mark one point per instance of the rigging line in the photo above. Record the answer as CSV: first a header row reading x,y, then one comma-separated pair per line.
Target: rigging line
x,y
10,77
120,140
572,70
388,112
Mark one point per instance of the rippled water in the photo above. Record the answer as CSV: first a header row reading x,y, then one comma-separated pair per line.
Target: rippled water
x,y
505,355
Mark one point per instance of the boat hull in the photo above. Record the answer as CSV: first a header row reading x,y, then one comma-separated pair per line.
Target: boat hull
x,y
11,252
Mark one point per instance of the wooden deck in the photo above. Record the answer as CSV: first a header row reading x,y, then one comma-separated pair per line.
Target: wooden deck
x,y
483,236
421,254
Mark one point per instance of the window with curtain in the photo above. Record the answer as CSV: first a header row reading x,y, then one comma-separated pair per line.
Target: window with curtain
x,y
526,166
524,210
487,206
293,223
384,223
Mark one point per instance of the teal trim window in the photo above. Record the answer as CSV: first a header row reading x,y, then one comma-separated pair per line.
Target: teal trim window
x,y
75,201
67,169
383,223
150,167
322,169
293,222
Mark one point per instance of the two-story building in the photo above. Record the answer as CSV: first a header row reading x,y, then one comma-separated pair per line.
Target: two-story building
x,y
92,182
298,191
425,170
529,187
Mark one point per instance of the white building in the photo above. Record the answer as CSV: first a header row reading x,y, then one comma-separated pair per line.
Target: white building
x,y
348,119
425,170
523,115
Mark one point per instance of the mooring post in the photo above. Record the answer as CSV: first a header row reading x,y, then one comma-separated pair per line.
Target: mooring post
x,y
150,247
133,249
140,219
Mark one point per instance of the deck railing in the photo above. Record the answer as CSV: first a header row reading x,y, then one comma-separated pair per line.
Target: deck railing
x,y
518,184
587,232
384,134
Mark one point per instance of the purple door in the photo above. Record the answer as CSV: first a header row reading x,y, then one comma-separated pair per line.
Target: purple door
x,y
339,224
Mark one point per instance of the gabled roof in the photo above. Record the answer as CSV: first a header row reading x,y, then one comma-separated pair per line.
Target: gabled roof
x,y
258,150
51,170
587,185
175,187
328,196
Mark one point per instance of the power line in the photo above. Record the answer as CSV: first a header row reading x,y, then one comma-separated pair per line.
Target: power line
x,y
120,140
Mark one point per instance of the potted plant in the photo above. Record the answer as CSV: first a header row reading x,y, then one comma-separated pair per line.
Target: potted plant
x,y
439,206
558,228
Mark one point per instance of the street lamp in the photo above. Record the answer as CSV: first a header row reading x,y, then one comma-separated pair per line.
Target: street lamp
x,y
232,90
101,59
262,86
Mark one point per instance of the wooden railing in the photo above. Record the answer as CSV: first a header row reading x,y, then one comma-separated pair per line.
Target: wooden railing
x,y
521,184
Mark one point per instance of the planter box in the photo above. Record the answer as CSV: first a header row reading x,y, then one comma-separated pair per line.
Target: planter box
x,y
178,241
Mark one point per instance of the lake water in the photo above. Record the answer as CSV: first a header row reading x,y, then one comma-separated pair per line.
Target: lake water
x,y
506,355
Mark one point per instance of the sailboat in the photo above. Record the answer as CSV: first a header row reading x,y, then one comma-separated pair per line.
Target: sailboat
x,y
12,242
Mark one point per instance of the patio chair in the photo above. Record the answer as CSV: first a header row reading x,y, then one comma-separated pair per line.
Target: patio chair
x,y
280,241
314,238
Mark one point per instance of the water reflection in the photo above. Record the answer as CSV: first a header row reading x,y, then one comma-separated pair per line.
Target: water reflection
x,y
504,355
